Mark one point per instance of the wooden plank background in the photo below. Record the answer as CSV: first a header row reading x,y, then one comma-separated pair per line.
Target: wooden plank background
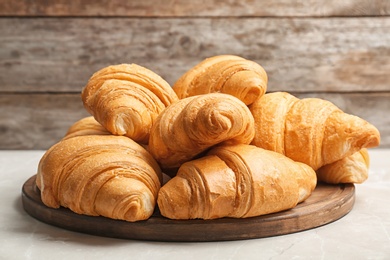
x,y
195,8
336,50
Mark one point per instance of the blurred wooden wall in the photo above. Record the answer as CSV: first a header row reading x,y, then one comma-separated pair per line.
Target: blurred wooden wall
x,y
337,50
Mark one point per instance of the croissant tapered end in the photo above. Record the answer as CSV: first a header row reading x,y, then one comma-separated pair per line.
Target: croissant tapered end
x,y
173,200
204,188
113,200
347,134
227,74
372,137
351,169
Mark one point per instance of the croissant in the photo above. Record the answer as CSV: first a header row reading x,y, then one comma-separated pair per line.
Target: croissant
x,y
86,126
101,175
237,181
188,127
351,169
229,74
310,130
126,99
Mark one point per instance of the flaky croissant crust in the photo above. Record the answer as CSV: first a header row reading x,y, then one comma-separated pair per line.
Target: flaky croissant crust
x,y
236,181
351,169
126,99
311,130
111,176
93,172
190,126
230,74
86,126
131,73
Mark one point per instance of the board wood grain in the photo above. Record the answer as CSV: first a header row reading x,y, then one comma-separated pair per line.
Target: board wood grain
x,y
180,8
327,203
305,54
39,120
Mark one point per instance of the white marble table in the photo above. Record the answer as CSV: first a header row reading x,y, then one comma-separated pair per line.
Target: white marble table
x,y
364,233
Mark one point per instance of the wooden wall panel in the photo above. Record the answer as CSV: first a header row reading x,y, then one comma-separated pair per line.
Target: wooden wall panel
x,y
37,121
337,50
196,8
299,54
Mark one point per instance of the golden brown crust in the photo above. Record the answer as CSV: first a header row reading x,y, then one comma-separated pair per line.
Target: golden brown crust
x,y
305,126
236,181
194,124
86,126
269,131
228,74
126,99
93,171
351,169
312,130
131,73
111,176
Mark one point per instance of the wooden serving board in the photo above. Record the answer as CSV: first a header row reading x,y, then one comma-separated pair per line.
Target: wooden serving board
x,y
327,204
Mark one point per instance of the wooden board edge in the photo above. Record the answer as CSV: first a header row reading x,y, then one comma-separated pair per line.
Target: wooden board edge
x,y
195,231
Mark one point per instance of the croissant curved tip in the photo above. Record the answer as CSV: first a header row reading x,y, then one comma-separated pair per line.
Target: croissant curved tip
x,y
368,135
374,139
246,85
139,209
173,199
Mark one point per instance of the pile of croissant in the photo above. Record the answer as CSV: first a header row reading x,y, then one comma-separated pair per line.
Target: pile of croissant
x,y
213,145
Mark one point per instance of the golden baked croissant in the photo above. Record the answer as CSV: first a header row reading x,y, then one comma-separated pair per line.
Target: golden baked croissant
x,y
228,74
310,130
86,126
351,169
126,99
237,181
106,175
190,126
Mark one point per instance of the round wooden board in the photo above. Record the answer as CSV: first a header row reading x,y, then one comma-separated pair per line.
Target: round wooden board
x,y
326,204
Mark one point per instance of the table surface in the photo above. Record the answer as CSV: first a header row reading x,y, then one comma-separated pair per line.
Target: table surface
x,y
364,233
